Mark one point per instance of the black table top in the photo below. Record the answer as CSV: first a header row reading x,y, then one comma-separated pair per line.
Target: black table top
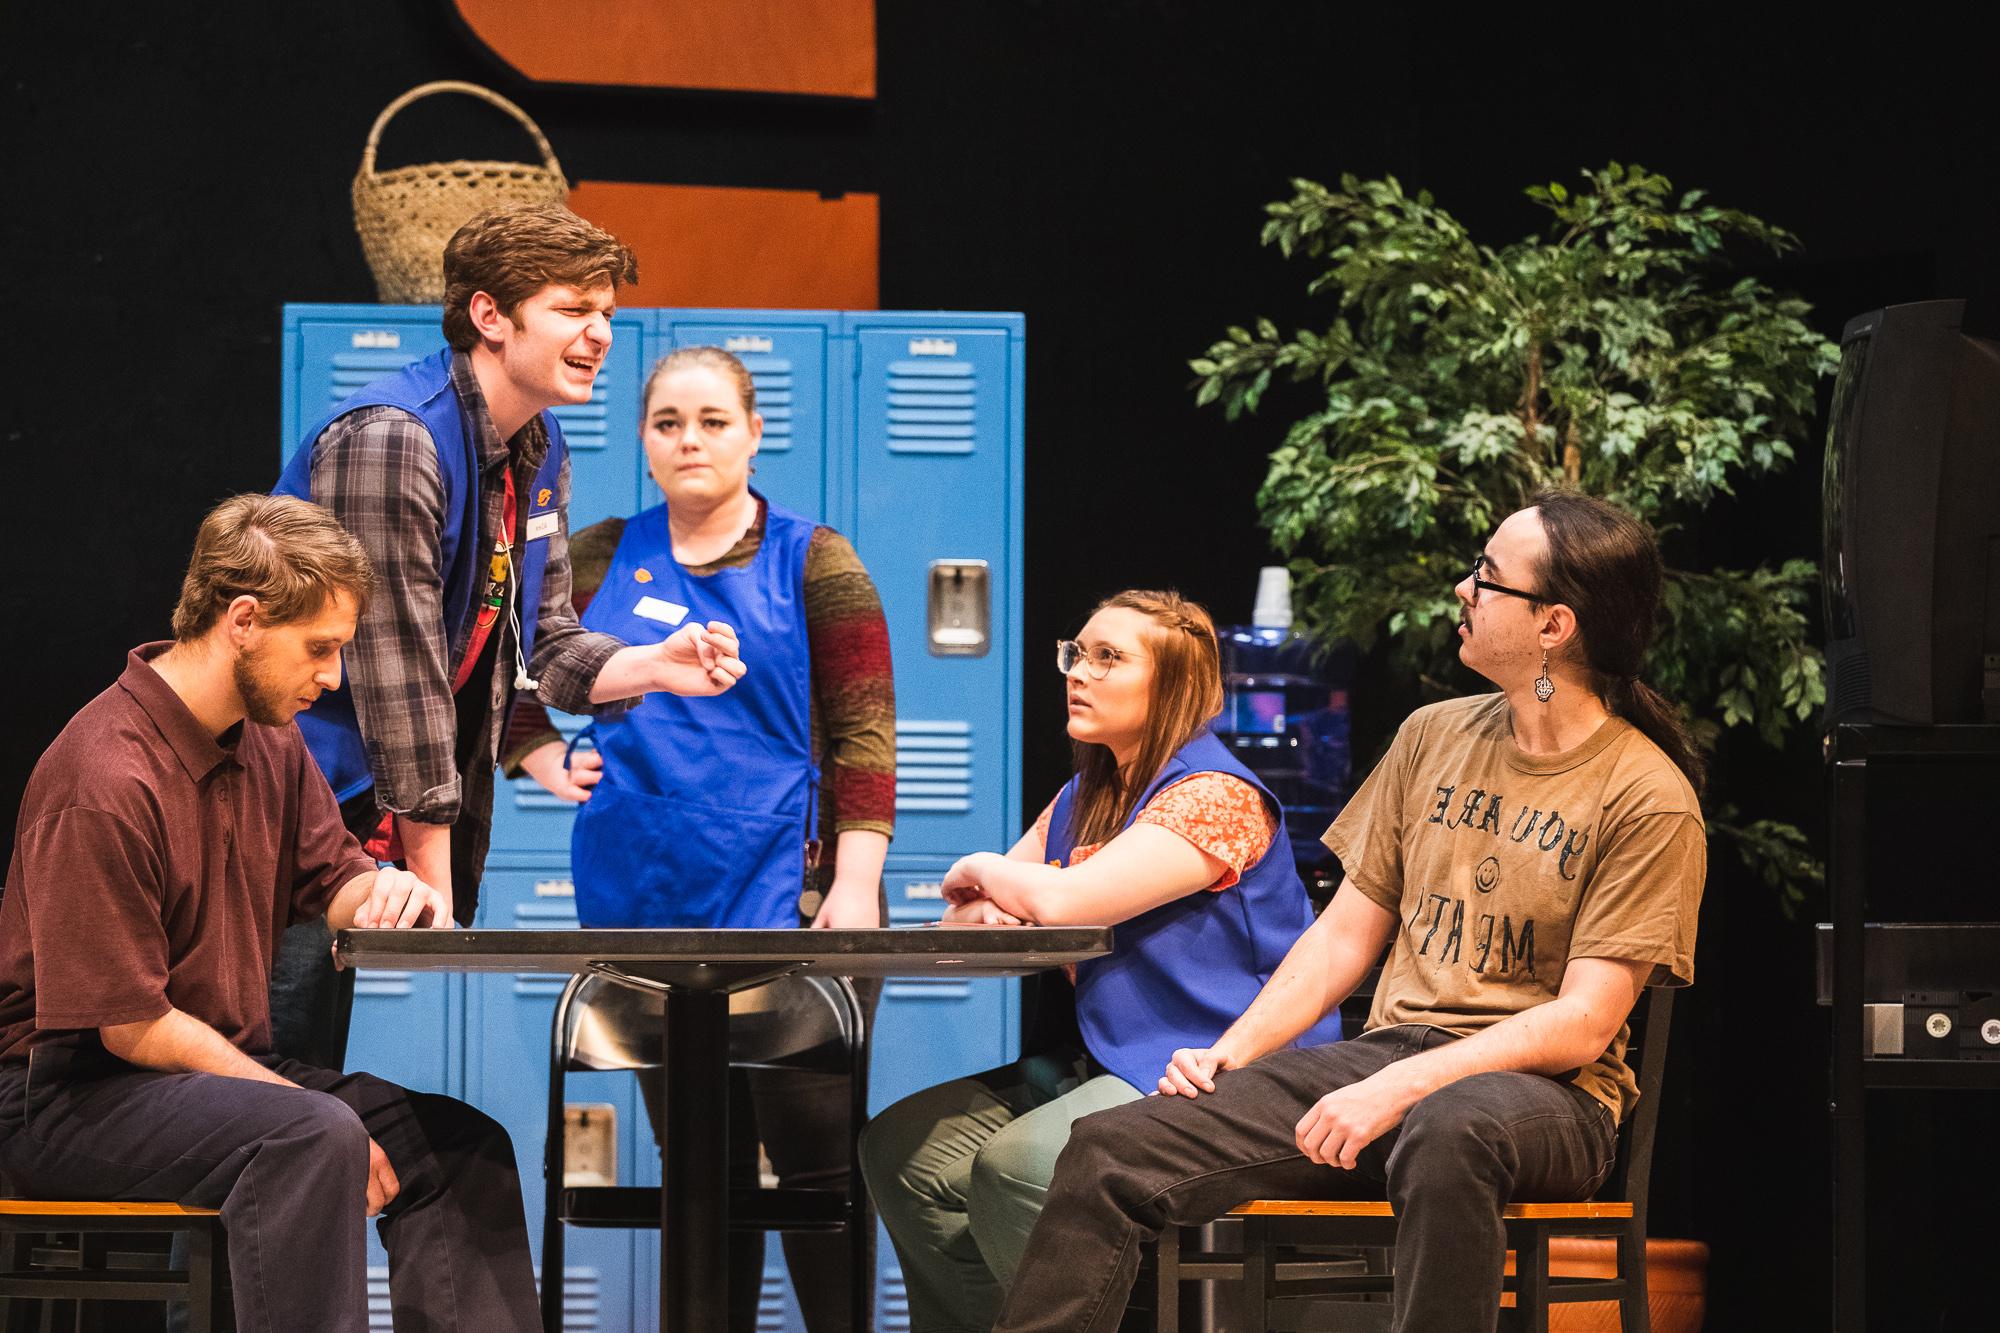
x,y
702,959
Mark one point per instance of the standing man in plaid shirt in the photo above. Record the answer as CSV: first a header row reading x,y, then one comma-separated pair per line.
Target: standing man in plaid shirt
x,y
454,476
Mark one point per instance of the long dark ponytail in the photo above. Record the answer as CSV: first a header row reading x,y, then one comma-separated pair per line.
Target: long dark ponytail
x,y
1604,565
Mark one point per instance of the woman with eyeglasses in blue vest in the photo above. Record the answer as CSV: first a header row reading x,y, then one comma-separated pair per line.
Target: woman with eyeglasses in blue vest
x,y
1162,833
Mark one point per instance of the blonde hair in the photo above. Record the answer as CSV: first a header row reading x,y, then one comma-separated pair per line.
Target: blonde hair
x,y
288,553
512,253
714,358
1185,696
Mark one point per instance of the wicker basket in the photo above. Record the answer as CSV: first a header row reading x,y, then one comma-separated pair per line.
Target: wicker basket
x,y
406,215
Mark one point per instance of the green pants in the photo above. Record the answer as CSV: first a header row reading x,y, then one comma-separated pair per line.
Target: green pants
x,y
959,1173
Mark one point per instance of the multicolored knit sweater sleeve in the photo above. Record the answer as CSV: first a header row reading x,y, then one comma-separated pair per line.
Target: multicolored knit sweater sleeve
x,y
853,690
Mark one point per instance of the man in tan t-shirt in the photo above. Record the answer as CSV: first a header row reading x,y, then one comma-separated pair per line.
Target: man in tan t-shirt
x,y
1531,859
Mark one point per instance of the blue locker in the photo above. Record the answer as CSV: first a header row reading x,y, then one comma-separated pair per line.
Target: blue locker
x,y
904,432
937,406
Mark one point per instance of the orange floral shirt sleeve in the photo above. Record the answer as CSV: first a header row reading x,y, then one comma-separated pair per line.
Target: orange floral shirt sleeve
x,y
1221,815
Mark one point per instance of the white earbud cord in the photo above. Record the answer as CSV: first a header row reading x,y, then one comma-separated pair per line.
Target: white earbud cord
x,y
522,680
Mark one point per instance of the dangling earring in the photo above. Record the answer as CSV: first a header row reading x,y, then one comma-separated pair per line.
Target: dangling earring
x,y
1545,689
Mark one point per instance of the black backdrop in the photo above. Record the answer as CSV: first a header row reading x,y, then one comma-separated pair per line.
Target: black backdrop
x,y
174,172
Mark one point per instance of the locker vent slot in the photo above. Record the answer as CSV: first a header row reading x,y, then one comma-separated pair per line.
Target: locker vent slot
x,y
581,1296
893,1315
932,407
382,982
363,366
772,377
379,1316
771,1302
581,1300
587,425
933,767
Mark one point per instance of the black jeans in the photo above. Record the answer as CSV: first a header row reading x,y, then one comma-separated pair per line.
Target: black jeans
x,y
1455,1161
288,1169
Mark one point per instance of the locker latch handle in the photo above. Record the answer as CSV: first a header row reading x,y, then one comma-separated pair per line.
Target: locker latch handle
x,y
960,609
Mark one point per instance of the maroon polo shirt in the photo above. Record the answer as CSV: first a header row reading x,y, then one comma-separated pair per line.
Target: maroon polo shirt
x,y
154,867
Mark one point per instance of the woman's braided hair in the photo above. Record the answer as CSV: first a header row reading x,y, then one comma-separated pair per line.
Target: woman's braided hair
x,y
1185,696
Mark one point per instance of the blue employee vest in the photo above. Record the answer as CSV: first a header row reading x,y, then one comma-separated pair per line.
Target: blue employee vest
x,y
1180,974
423,389
705,806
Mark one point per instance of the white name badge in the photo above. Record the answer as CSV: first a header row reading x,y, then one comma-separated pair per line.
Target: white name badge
x,y
654,608
542,525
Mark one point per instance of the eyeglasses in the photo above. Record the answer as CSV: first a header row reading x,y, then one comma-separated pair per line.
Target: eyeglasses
x,y
1485,585
1097,662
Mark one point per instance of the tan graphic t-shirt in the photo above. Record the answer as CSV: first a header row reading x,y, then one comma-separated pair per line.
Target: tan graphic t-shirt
x,y
1502,866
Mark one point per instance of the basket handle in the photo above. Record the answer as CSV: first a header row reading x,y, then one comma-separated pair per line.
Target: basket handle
x,y
470,90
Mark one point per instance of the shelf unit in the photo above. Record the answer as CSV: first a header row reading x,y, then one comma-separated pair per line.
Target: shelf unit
x,y
1850,749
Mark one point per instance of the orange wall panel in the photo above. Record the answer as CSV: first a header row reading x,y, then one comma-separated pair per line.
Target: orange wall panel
x,y
702,245
820,47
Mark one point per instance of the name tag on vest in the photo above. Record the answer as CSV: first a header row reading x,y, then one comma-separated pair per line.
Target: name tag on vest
x,y
654,608
542,525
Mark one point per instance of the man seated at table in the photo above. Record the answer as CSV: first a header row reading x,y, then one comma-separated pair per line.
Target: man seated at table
x,y
171,832
1537,857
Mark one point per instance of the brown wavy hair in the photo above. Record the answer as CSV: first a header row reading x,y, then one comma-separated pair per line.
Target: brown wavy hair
x,y
512,253
1605,565
288,553
1186,695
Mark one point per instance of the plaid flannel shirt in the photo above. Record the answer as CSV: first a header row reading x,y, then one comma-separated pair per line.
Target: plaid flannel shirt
x,y
377,470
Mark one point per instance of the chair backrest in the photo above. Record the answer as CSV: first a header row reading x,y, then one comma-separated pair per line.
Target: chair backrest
x,y
795,1022
1646,1055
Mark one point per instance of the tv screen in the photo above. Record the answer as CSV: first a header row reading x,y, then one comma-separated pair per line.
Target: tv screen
x,y
1911,573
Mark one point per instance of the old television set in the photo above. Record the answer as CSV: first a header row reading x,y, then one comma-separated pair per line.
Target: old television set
x,y
1912,521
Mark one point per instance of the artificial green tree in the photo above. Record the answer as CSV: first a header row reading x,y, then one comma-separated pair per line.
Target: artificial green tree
x,y
1614,352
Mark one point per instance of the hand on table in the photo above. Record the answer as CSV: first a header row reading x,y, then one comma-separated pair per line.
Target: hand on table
x,y
398,900
963,882
544,764
978,912
852,906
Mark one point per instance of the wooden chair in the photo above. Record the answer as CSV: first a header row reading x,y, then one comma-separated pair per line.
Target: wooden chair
x,y
63,1251
796,1022
1313,1265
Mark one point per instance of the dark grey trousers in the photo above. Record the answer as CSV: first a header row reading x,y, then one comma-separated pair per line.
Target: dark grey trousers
x,y
288,1167
1455,1161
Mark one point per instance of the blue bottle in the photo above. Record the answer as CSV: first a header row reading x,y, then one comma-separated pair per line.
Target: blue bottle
x,y
1284,714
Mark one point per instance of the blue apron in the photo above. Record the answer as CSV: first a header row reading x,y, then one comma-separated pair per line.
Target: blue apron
x,y
705,807
1179,974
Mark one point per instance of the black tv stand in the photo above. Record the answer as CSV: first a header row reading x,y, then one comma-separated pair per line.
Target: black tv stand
x,y
1849,750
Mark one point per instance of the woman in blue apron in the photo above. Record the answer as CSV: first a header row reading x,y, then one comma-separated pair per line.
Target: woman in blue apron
x,y
718,817
1163,833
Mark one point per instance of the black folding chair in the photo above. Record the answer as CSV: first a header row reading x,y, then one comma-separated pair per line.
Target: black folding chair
x,y
800,1022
